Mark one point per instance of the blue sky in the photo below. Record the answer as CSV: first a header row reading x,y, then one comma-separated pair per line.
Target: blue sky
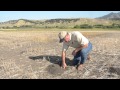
x,y
40,15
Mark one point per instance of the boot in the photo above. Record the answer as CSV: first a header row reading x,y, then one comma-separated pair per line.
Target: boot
x,y
88,57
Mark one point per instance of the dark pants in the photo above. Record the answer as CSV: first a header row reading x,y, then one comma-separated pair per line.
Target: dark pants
x,y
81,55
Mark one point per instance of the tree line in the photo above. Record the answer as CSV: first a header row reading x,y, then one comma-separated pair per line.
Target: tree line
x,y
86,26
82,26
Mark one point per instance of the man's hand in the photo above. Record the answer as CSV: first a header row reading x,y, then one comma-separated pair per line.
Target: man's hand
x,y
74,53
64,65
78,49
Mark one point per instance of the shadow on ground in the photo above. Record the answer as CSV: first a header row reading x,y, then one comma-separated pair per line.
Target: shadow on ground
x,y
52,59
54,68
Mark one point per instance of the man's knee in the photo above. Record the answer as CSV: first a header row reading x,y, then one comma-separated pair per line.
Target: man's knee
x,y
83,52
83,57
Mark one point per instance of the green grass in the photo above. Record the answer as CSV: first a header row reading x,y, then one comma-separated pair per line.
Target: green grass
x,y
54,29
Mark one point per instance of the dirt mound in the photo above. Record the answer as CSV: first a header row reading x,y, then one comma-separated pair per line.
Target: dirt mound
x,y
114,70
55,69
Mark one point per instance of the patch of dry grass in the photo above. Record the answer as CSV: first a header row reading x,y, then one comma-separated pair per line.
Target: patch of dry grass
x,y
15,63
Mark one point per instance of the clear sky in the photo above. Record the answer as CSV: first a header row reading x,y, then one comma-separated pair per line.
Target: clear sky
x,y
40,15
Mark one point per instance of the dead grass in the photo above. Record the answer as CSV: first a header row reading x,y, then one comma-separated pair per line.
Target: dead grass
x,y
17,48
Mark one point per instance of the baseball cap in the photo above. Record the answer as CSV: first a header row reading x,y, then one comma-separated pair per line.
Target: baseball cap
x,y
61,36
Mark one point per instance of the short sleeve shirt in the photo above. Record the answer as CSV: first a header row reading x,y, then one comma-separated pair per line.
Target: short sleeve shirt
x,y
76,40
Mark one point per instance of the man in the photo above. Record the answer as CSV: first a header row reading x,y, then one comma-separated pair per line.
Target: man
x,y
81,44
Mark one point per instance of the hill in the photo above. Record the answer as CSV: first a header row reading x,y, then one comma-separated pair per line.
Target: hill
x,y
111,16
107,21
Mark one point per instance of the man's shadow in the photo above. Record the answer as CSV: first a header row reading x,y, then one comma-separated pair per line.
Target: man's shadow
x,y
52,59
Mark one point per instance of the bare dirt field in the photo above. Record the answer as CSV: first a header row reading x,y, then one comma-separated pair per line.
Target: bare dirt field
x,y
36,55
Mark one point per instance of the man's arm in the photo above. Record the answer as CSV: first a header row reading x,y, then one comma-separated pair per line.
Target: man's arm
x,y
63,59
81,47
78,49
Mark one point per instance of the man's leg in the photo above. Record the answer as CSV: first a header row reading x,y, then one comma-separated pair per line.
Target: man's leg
x,y
76,60
84,55
90,48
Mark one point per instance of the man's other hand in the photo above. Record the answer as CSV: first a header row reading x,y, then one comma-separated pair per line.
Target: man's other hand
x,y
74,53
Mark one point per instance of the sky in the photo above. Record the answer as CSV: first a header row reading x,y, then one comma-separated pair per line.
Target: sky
x,y
41,15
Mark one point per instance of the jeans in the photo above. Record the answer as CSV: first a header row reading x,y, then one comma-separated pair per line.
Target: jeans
x,y
81,56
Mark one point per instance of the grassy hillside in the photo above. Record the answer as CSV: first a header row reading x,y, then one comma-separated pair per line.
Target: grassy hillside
x,y
61,23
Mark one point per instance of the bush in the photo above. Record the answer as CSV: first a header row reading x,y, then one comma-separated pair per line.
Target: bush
x,y
98,26
85,26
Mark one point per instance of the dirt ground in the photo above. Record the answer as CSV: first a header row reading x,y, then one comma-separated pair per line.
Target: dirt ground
x,y
36,55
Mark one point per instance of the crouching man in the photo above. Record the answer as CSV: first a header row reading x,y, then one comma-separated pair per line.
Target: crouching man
x,y
81,44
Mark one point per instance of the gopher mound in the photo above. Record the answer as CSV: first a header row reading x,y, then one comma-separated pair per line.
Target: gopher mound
x,y
114,70
55,69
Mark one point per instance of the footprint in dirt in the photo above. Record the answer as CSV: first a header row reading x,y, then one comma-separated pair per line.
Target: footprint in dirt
x,y
55,69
